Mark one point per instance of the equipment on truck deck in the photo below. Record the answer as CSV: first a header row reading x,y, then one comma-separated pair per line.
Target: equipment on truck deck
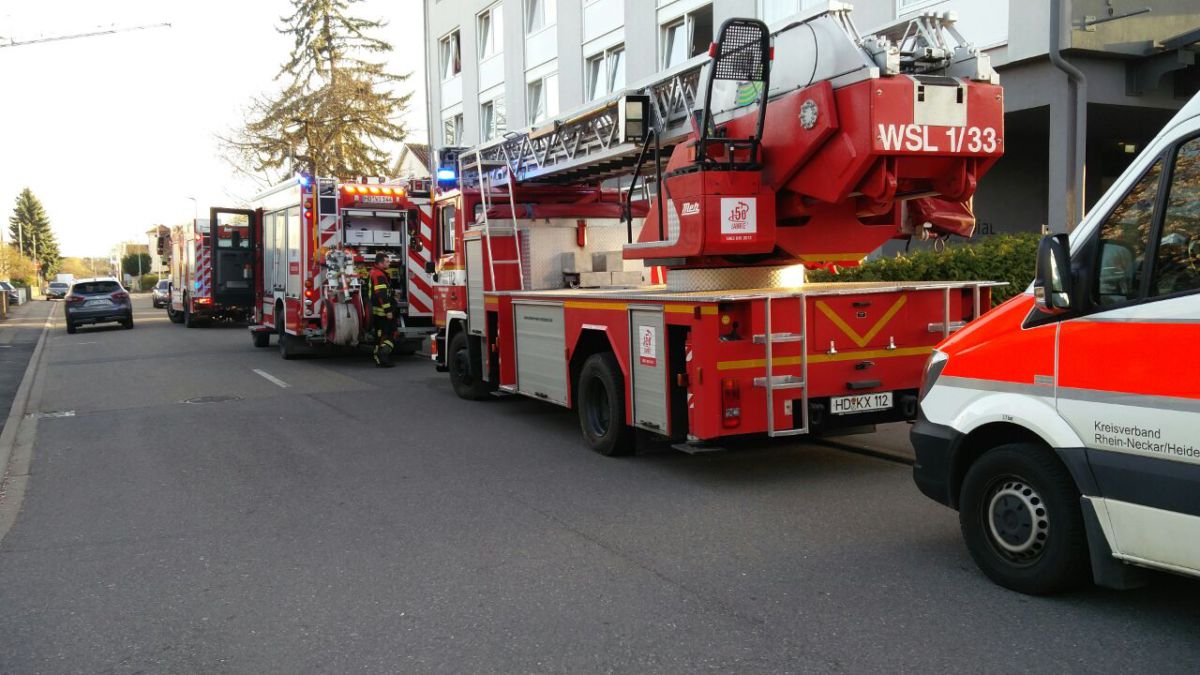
x,y
806,146
211,268
318,236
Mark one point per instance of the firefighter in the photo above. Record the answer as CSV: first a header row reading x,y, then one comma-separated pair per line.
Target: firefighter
x,y
383,317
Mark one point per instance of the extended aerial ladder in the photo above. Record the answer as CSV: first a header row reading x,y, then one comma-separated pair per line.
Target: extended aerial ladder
x,y
806,145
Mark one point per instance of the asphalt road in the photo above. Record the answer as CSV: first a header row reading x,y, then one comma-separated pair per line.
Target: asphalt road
x,y
361,520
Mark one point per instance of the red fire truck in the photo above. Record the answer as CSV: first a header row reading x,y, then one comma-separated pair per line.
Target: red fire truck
x,y
315,241
211,272
733,172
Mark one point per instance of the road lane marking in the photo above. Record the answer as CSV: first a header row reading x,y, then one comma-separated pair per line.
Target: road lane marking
x,y
271,378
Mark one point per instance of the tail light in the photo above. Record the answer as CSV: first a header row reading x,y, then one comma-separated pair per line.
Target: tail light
x,y
72,299
203,301
120,295
731,403
310,294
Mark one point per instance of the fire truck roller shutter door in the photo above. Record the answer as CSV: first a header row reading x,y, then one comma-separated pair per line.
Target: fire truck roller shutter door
x,y
648,367
541,350
475,272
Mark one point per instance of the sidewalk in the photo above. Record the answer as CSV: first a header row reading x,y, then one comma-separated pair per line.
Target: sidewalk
x,y
18,336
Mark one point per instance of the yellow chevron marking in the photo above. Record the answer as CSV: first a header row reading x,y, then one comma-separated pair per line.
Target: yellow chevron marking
x,y
862,340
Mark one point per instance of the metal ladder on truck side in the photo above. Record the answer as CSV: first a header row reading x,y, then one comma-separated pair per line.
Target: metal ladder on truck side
x,y
484,169
774,383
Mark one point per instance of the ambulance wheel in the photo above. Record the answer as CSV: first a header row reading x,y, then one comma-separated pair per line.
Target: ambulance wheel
x,y
601,406
467,383
175,317
1020,516
261,339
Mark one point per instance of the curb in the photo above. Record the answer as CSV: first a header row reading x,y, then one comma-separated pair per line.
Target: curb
x,y
18,430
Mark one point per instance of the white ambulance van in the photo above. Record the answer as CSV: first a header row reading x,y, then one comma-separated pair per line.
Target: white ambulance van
x,y
1064,425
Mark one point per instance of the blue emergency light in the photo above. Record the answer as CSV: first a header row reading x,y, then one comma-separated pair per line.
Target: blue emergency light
x,y
446,174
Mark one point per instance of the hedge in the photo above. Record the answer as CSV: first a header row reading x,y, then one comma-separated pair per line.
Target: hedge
x,y
1002,257
147,281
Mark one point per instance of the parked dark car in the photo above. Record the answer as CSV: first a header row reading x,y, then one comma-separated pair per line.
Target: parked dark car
x,y
14,297
161,294
97,301
57,289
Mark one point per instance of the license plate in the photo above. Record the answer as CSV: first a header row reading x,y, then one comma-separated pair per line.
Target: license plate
x,y
841,405
97,303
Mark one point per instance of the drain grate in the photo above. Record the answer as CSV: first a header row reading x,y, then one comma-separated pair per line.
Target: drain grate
x,y
212,399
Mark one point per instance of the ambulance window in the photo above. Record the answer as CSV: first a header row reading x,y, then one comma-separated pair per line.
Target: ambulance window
x,y
1177,260
1123,241
447,228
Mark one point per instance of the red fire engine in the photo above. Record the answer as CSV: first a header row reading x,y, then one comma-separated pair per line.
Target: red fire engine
x,y
778,155
315,241
211,272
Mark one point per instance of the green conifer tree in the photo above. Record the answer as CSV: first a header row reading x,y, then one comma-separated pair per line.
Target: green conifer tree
x,y
336,105
29,231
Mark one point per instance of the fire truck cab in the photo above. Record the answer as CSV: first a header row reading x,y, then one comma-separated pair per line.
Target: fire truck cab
x,y
1064,426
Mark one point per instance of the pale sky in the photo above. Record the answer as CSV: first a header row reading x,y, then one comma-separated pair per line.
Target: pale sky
x,y
114,133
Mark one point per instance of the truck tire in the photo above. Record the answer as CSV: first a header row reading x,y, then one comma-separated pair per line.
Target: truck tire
x,y
601,405
175,317
1020,516
261,339
71,328
467,384
287,343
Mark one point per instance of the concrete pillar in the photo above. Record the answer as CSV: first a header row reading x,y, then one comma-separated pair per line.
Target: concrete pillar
x,y
570,57
641,40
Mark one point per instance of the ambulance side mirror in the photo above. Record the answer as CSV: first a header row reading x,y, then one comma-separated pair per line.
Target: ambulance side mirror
x,y
1052,283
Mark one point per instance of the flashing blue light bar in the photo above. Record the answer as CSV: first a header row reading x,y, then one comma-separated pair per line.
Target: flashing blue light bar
x,y
303,180
446,174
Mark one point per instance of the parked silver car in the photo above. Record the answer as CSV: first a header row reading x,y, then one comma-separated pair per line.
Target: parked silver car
x,y
97,301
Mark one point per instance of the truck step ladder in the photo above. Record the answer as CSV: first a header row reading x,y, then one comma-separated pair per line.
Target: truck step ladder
x,y
486,171
775,383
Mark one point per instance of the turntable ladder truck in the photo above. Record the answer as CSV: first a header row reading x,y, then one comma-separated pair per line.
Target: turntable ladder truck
x,y
806,146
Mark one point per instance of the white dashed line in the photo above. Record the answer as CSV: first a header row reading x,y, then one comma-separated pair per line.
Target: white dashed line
x,y
271,378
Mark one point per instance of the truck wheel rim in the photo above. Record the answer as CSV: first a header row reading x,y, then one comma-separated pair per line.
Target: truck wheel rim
x,y
462,367
1017,519
598,413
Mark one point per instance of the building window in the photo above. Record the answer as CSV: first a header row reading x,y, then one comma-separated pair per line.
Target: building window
x,y
687,36
490,24
491,118
604,73
542,98
451,55
539,14
452,130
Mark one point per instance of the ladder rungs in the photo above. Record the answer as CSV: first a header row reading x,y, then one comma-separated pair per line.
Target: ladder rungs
x,y
778,338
